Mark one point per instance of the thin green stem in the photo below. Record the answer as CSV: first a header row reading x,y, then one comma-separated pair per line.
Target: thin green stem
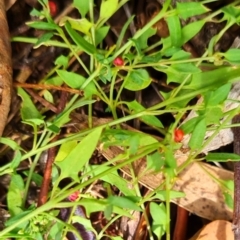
x,y
62,35
53,203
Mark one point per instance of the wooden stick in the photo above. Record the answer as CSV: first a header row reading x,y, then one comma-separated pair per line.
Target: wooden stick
x,y
236,210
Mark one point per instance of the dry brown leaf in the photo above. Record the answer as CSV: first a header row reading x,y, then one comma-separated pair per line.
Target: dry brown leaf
x,y
9,3
216,230
5,68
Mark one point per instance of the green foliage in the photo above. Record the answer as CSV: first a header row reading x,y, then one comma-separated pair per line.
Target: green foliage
x,y
73,163
28,109
187,79
82,6
160,219
189,9
137,80
15,195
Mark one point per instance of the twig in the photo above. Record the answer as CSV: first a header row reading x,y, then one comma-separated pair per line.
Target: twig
x,y
44,102
47,86
42,199
5,69
236,210
181,224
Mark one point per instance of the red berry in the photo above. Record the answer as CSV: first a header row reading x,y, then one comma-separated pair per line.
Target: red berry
x,y
178,135
53,8
118,61
74,196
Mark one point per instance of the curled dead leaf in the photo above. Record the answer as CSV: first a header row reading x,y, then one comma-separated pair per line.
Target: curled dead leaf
x,y
5,68
216,230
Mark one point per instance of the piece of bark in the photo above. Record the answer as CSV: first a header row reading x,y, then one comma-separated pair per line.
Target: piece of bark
x,y
5,68
9,3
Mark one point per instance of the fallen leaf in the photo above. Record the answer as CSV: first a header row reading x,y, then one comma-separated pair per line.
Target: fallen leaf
x,y
216,230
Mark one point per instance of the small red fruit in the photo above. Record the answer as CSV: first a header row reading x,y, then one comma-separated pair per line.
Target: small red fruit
x,y
118,62
53,8
74,196
178,135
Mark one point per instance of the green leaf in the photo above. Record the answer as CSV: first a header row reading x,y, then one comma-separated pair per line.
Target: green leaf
x,y
231,13
137,47
190,9
36,178
215,78
106,74
232,55
35,13
124,202
48,96
63,117
123,32
113,178
159,215
43,25
188,126
213,114
17,156
15,195
219,95
80,41
155,161
72,79
57,81
229,184
222,157
198,135
82,6
173,195
174,75
186,68
108,212
175,31
12,144
75,80
97,205
100,34
142,41
64,150
148,119
82,220
137,80
189,31
170,161
19,216
228,200
61,61
118,137
158,212
79,156
28,109
44,38
16,160
153,58
81,25
108,8
179,55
